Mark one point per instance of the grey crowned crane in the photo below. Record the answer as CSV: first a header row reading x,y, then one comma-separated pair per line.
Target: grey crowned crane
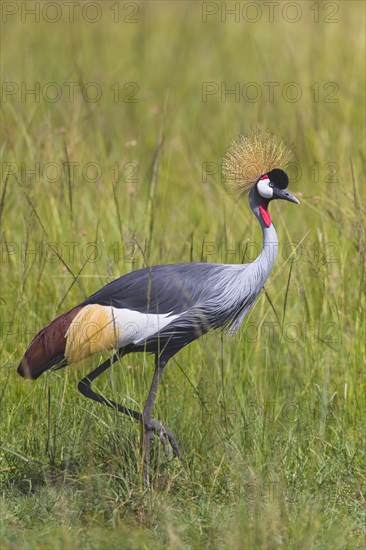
x,y
161,309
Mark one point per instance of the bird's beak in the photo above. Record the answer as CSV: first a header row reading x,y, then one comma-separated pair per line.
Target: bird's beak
x,y
283,194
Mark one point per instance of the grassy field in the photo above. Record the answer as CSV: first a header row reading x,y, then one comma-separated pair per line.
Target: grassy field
x,y
124,131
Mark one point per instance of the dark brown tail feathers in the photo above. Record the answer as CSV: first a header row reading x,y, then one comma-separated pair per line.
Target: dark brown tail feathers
x,y
47,348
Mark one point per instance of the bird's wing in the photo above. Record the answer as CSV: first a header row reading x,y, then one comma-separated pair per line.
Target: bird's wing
x,y
163,289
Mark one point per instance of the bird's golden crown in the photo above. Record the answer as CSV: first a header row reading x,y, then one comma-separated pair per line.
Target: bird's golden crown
x,y
251,156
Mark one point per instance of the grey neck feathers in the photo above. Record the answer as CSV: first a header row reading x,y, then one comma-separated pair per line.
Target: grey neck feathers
x,y
263,264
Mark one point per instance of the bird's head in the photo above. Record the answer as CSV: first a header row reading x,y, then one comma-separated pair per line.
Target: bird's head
x,y
251,164
269,187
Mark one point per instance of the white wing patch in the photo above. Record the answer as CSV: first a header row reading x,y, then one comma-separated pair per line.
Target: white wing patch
x,y
134,327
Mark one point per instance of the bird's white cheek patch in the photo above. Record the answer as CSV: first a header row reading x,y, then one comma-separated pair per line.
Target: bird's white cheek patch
x,y
264,189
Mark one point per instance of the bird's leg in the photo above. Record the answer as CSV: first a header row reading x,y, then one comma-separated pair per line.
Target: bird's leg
x,y
165,435
148,423
85,389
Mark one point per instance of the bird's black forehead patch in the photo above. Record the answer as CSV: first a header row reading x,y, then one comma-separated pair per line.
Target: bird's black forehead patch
x,y
278,177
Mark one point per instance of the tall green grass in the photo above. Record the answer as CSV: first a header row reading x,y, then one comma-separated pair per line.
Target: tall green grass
x,y
272,421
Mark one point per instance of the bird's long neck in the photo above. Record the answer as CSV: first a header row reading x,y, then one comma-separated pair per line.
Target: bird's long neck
x,y
266,259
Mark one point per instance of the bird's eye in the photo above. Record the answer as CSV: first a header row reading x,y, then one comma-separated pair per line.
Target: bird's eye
x,y
270,184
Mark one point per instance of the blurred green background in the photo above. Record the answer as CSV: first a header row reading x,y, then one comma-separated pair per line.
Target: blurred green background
x,y
123,111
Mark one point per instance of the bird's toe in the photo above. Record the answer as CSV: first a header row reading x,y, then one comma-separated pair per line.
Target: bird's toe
x,y
166,437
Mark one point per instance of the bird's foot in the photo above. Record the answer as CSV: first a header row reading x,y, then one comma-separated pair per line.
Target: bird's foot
x,y
166,437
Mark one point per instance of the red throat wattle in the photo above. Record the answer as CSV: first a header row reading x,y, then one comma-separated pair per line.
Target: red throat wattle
x,y
266,216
